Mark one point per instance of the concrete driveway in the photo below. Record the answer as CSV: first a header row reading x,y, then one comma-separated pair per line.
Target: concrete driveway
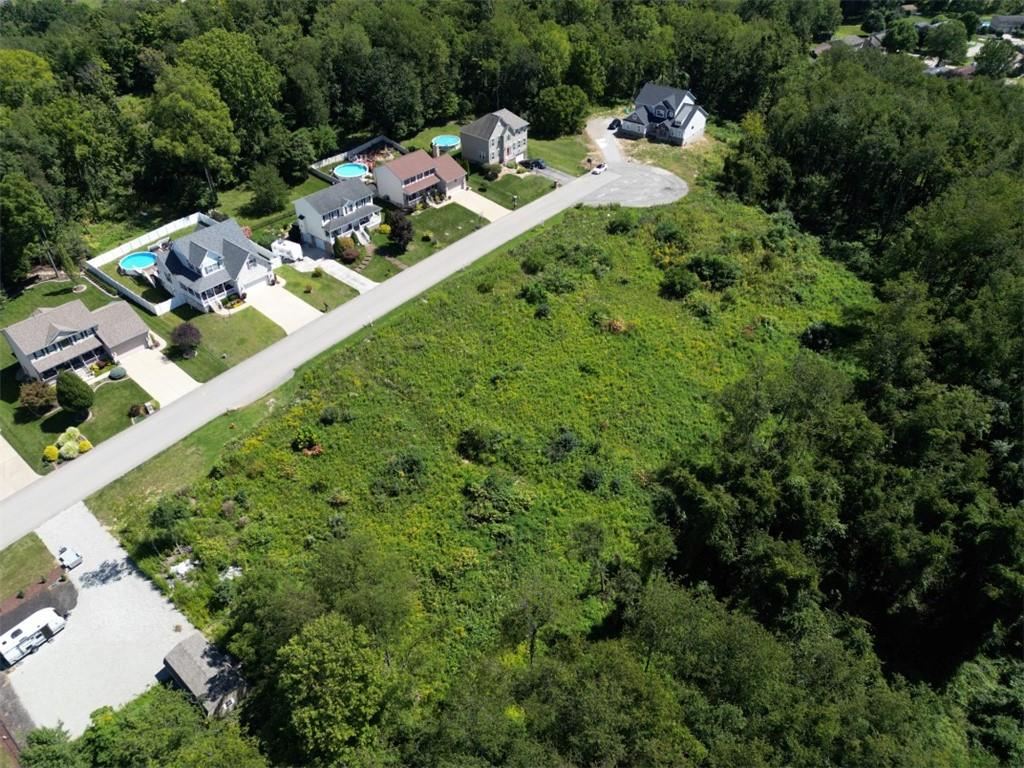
x,y
284,308
636,185
160,377
116,637
15,473
478,204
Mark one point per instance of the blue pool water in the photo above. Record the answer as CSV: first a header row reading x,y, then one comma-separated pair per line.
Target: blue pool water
x,y
445,141
350,170
141,260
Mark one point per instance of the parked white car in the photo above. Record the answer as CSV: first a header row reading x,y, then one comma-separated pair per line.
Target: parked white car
x,y
599,169
68,558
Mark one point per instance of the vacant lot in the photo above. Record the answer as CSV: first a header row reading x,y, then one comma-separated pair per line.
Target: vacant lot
x,y
433,229
566,153
22,563
324,290
265,227
525,188
226,340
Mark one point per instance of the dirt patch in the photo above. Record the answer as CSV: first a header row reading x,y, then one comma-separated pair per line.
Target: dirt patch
x,y
59,595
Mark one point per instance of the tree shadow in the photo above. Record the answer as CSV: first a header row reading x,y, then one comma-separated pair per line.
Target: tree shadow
x,y
61,420
105,573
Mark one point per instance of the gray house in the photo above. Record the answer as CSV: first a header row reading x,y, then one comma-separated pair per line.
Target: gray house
x,y
207,673
344,208
72,336
664,113
495,139
1007,23
212,262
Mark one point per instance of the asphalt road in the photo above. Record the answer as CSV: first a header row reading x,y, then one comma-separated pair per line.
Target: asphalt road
x,y
246,382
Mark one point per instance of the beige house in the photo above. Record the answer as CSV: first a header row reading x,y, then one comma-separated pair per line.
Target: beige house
x,y
416,177
72,336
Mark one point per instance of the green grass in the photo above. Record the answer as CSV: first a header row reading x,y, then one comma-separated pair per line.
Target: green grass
x,y
526,187
21,565
379,269
227,341
326,289
105,234
136,285
567,153
422,139
236,202
633,375
701,160
445,225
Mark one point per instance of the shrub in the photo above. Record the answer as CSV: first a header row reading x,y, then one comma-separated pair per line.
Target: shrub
x,y
69,451
402,473
401,230
591,479
305,439
716,270
491,172
559,282
384,229
51,453
678,282
73,394
622,221
329,415
533,263
137,410
307,288
68,435
485,286
533,293
36,396
186,338
118,373
542,312
562,444
495,499
318,272
84,446
479,444
670,232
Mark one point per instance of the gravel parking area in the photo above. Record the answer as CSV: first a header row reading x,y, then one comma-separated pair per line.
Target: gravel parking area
x,y
116,637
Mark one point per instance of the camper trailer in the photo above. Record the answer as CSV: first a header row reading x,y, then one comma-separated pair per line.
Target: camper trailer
x,y
37,629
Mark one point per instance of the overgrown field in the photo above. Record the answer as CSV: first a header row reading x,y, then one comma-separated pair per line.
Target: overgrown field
x,y
479,425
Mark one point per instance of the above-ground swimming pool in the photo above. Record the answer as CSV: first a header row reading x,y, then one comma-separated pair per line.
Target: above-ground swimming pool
x,y
446,141
137,261
351,170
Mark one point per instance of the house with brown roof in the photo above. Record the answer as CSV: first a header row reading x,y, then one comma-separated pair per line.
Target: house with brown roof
x,y
207,673
416,177
73,336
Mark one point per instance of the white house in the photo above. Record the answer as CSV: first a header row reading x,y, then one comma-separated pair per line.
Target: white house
x,y
497,138
342,209
412,178
664,113
211,263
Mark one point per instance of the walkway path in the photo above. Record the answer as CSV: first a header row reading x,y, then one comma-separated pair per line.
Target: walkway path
x,y
338,271
282,307
478,204
30,507
15,473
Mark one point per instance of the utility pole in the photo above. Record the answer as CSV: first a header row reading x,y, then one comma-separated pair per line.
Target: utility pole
x,y
49,255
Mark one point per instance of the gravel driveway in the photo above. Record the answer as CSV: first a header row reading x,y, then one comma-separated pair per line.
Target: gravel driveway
x,y
116,637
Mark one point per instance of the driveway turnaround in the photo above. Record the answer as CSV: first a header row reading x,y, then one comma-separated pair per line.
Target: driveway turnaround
x,y
349,277
282,307
252,378
162,379
479,204
116,637
15,473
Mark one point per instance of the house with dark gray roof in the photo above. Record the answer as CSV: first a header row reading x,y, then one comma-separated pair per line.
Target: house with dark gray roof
x,y
344,209
1007,23
211,263
664,113
72,336
494,139
207,673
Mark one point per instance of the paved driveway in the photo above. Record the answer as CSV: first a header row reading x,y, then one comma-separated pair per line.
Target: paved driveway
x,y
116,637
256,376
15,473
161,378
284,308
479,204
636,185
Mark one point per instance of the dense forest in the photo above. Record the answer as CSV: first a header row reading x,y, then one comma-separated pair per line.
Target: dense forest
x,y
805,550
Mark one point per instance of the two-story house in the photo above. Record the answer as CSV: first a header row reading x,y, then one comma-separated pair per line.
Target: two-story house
x,y
415,177
72,336
342,209
664,113
495,139
211,263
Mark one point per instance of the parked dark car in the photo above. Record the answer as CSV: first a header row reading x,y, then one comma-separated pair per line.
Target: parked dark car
x,y
614,124
539,164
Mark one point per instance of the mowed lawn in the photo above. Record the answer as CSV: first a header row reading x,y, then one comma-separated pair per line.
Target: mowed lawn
x,y
135,284
567,153
237,202
525,187
21,565
29,434
324,290
433,229
226,341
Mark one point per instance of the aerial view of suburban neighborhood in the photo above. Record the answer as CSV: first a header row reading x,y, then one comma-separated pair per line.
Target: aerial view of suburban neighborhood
x,y
511,383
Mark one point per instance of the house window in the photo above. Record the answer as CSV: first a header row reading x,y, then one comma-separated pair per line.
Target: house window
x,y
660,112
